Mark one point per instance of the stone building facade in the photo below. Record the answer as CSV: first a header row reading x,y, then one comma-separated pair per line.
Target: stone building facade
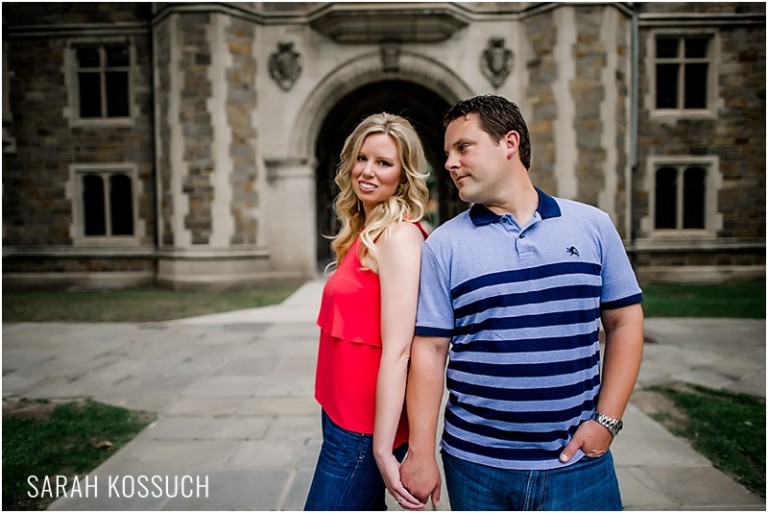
x,y
194,144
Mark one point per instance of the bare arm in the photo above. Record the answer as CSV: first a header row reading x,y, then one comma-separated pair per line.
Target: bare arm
x,y
621,365
399,260
623,354
426,381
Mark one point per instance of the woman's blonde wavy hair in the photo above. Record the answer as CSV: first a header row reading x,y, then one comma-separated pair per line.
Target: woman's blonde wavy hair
x,y
407,204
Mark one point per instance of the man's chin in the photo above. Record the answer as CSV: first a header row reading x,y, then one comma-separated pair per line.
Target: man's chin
x,y
466,197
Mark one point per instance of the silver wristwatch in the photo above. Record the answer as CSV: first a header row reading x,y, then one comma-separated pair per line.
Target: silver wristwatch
x,y
611,424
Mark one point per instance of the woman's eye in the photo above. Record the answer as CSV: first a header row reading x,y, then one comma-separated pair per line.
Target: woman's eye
x,y
384,163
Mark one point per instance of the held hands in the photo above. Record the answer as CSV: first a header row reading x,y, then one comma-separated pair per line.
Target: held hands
x,y
389,468
421,477
592,438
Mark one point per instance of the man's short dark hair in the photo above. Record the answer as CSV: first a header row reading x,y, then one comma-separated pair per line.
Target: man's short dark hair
x,y
498,116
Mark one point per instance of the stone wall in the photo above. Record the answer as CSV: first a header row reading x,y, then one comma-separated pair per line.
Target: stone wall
x,y
672,8
578,92
223,157
588,92
162,47
542,68
37,184
240,103
208,164
75,13
734,135
195,124
206,71
32,264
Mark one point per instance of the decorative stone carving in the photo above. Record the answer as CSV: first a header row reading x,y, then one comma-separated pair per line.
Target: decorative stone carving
x,y
285,65
369,23
390,55
496,61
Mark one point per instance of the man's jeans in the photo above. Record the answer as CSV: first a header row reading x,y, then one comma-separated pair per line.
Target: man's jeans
x,y
346,476
588,484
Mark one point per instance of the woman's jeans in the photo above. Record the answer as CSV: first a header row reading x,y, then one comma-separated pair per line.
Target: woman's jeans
x,y
346,476
588,484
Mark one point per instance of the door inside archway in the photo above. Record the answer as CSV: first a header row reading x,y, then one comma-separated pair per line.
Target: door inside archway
x,y
423,108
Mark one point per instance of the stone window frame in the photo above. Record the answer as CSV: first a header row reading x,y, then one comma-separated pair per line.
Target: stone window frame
x,y
713,90
75,195
72,110
712,186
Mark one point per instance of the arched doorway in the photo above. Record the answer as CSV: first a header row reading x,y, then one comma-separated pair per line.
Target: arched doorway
x,y
422,107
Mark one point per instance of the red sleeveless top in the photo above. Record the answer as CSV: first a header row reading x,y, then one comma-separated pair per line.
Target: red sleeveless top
x,y
350,347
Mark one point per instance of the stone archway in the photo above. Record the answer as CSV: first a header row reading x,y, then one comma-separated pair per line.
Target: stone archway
x,y
422,107
367,69
420,90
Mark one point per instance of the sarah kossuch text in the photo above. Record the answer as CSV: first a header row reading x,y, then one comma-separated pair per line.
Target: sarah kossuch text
x,y
118,486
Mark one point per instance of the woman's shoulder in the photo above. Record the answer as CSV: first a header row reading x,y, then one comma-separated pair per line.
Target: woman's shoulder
x,y
399,246
403,232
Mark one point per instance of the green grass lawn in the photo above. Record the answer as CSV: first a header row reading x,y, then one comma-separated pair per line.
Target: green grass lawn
x,y
134,305
740,300
66,440
727,428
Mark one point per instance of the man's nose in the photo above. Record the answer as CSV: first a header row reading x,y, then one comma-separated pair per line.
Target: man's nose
x,y
451,162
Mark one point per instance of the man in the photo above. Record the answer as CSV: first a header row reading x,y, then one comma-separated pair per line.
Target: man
x,y
515,290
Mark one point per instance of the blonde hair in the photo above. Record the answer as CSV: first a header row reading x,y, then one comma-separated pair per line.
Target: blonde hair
x,y
407,204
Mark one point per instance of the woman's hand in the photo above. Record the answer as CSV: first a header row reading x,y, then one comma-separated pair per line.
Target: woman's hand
x,y
390,472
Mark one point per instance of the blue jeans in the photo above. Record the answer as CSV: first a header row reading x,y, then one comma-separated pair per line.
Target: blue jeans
x,y
346,475
588,484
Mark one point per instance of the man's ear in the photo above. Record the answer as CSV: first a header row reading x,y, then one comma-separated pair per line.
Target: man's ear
x,y
512,142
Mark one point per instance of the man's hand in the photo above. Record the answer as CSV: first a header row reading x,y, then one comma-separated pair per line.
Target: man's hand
x,y
389,468
592,438
421,477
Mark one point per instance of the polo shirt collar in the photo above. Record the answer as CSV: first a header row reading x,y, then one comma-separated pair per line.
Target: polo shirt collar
x,y
547,208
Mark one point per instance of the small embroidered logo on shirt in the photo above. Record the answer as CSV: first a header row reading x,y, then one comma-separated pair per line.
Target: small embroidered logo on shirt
x,y
572,251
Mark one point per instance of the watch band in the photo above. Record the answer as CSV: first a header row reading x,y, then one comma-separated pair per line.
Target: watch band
x,y
609,423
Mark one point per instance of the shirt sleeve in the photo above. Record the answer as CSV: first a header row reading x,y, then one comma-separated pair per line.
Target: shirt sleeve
x,y
434,317
620,287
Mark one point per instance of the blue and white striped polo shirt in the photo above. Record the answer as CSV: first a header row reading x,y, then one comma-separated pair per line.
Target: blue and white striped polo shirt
x,y
522,309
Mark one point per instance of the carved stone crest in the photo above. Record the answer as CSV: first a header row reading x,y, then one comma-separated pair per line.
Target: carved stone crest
x,y
496,61
285,65
390,55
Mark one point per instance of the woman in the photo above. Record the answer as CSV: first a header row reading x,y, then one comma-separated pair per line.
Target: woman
x,y
367,317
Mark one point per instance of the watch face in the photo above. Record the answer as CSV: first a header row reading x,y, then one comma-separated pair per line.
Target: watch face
x,y
612,425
